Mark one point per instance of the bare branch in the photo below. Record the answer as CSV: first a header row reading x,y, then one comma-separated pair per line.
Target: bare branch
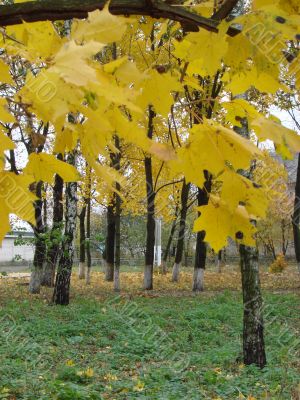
x,y
53,10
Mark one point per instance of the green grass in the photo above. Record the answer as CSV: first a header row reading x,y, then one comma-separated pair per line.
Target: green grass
x,y
144,348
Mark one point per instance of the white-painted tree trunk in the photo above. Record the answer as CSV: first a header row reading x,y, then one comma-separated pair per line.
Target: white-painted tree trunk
x,y
88,276
176,272
117,287
109,272
81,270
164,268
148,284
35,282
198,280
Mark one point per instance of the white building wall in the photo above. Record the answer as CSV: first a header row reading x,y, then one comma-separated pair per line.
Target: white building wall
x,y
8,250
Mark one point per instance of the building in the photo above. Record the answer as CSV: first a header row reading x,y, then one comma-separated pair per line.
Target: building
x,y
17,246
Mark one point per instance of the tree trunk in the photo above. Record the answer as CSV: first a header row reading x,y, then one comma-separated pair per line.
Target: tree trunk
x,y
200,257
110,244
296,216
61,293
82,265
150,234
180,241
253,337
117,287
88,237
56,232
220,262
117,165
169,243
40,245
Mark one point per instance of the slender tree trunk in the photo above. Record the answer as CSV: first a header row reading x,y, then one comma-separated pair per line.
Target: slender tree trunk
x,y
180,241
169,243
296,217
253,329
56,232
110,244
200,257
88,237
40,245
253,336
220,261
150,234
82,239
61,293
118,200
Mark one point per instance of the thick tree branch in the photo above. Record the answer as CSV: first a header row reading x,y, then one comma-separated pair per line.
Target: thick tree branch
x,y
225,10
52,10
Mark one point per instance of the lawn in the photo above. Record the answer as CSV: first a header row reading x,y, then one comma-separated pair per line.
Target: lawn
x,y
140,346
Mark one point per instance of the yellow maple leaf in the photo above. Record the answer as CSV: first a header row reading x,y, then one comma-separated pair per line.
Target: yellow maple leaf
x,y
5,115
50,97
157,90
205,50
244,79
5,143
238,109
44,166
225,145
34,40
101,26
4,73
286,140
220,222
237,189
15,198
70,62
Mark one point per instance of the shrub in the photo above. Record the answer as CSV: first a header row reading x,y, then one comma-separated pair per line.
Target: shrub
x,y
279,265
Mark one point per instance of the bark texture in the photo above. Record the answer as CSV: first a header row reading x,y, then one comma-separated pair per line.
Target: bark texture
x,y
200,257
82,238
40,245
88,236
118,200
110,244
61,293
253,332
169,243
53,10
181,232
296,216
150,239
56,232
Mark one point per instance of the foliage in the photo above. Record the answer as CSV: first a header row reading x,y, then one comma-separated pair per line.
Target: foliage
x,y
279,265
68,82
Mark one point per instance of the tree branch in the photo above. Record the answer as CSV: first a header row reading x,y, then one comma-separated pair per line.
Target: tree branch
x,y
52,10
225,10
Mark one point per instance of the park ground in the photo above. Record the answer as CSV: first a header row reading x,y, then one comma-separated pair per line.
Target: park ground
x,y
166,344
